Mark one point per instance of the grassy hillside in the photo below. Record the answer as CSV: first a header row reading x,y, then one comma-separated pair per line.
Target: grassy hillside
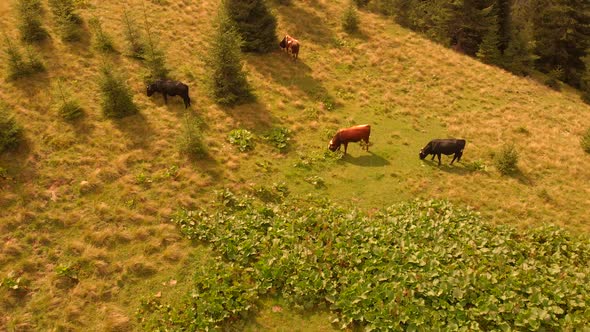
x,y
96,195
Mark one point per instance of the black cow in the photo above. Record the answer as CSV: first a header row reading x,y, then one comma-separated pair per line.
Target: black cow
x,y
170,88
436,147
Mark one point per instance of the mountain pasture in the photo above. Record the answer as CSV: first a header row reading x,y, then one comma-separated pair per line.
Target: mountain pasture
x,y
85,206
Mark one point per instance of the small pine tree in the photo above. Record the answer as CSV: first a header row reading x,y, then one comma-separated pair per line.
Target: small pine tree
x,y
67,20
30,27
10,130
228,81
17,66
135,46
191,139
255,23
117,100
506,160
102,41
65,104
34,60
350,19
155,58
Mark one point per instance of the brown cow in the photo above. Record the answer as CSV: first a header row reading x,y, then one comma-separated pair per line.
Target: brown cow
x,y
290,44
352,134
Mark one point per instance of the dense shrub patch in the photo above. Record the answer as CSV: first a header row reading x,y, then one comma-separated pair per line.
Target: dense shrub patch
x,y
417,265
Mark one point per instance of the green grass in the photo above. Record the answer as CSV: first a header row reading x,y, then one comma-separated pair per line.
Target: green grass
x,y
100,193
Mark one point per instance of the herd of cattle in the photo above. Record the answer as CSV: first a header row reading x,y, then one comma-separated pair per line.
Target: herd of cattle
x,y
359,133
435,147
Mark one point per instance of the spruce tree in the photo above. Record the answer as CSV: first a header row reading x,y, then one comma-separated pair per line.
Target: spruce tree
x,y
255,23
30,27
67,19
503,12
585,79
488,49
10,130
518,57
135,44
562,36
228,82
117,100
350,21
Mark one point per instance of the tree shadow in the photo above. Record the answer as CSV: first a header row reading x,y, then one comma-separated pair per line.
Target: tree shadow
x,y
136,130
370,160
306,25
521,177
18,165
295,75
32,86
253,116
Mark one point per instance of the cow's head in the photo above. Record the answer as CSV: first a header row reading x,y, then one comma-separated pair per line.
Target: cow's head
x,y
151,88
423,154
333,145
283,42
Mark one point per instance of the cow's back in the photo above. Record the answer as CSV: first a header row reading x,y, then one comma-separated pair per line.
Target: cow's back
x,y
355,134
447,145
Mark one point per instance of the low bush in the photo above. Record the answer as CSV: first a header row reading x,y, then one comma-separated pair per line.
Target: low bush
x,y
243,139
279,138
10,130
506,160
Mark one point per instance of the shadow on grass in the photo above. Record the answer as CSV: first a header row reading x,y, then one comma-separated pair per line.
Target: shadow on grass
x,y
253,116
371,160
17,165
295,75
306,25
455,168
136,129
521,177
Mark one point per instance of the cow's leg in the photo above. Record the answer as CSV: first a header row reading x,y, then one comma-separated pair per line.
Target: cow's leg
x,y
454,157
345,147
438,154
367,141
460,155
187,101
433,155
165,98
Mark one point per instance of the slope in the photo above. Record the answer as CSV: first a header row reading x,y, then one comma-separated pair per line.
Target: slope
x,y
96,196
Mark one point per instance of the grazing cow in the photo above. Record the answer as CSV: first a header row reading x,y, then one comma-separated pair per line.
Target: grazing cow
x,y
290,44
436,147
352,134
170,88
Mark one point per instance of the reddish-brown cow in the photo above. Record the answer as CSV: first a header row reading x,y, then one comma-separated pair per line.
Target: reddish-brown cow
x,y
290,44
352,134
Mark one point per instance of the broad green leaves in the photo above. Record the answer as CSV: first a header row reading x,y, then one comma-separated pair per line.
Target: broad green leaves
x,y
415,266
